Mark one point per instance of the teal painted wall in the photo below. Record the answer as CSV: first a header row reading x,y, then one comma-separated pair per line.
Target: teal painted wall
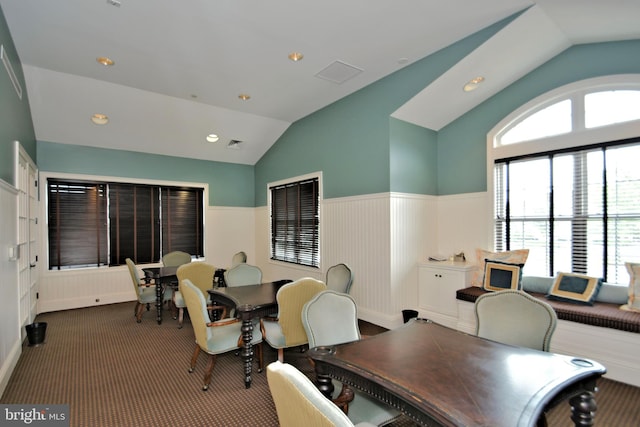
x,y
349,140
229,184
15,115
462,144
413,158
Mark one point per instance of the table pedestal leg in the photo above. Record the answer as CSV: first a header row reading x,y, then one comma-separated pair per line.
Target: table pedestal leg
x,y
159,301
583,409
323,381
247,349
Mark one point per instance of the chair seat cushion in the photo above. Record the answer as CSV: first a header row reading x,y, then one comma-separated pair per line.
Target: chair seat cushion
x,y
225,338
273,334
178,300
365,409
147,294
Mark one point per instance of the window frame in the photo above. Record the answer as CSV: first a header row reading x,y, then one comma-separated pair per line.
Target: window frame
x,y
313,175
44,208
579,136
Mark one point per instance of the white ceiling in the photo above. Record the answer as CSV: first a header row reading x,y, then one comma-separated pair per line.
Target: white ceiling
x,y
180,65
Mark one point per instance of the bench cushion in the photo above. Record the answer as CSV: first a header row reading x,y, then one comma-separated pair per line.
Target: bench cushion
x,y
602,314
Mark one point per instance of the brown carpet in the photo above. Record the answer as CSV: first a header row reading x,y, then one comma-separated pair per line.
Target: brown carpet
x,y
115,372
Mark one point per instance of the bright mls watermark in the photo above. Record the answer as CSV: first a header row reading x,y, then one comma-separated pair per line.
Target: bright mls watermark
x,y
34,415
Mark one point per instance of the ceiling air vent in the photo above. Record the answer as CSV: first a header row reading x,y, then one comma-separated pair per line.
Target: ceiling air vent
x,y
338,72
234,144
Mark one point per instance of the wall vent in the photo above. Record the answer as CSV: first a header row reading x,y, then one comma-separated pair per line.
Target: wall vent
x,y
234,144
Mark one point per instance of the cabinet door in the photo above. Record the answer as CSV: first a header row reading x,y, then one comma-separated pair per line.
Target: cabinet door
x,y
437,289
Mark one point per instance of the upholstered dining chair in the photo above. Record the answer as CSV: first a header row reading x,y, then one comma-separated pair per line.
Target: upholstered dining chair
x,y
176,259
515,317
286,330
299,402
201,275
238,258
331,318
213,337
339,278
145,292
242,275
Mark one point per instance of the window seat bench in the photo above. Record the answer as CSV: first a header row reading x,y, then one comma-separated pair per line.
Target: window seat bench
x,y
605,315
602,332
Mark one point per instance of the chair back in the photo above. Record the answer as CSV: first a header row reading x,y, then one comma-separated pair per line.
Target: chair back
x,y
339,278
176,259
299,402
197,306
238,258
135,277
242,275
291,298
199,273
330,318
515,317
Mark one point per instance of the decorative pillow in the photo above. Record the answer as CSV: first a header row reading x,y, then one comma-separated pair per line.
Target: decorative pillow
x,y
634,287
499,276
518,256
576,288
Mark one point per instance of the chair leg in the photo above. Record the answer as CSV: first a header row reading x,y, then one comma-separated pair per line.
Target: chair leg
x,y
180,317
139,309
259,352
281,355
194,358
207,373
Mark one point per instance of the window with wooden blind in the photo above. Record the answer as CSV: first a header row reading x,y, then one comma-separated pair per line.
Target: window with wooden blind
x,y
575,210
100,223
295,222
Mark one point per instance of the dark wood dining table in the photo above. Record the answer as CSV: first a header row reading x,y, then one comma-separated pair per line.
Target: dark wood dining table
x,y
162,276
250,302
443,377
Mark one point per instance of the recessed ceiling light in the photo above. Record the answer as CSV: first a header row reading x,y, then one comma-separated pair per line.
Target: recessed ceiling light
x,y
473,84
100,119
107,62
296,56
212,137
244,96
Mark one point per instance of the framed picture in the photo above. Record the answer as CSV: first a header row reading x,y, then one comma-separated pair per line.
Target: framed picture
x,y
499,276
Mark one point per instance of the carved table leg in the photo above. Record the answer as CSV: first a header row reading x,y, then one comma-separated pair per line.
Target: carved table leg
x,y
323,381
159,292
583,409
247,348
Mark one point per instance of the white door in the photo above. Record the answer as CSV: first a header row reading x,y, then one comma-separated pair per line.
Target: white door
x,y
27,183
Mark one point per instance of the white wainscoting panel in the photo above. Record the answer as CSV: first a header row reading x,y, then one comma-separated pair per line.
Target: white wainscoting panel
x,y
356,232
63,290
383,256
413,226
10,326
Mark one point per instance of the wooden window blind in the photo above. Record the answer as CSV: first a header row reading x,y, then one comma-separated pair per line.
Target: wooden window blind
x,y
294,222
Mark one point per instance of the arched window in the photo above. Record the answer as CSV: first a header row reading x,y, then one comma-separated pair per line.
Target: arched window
x,y
565,179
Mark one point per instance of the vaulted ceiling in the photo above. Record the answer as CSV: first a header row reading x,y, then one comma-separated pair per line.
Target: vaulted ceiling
x,y
180,66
